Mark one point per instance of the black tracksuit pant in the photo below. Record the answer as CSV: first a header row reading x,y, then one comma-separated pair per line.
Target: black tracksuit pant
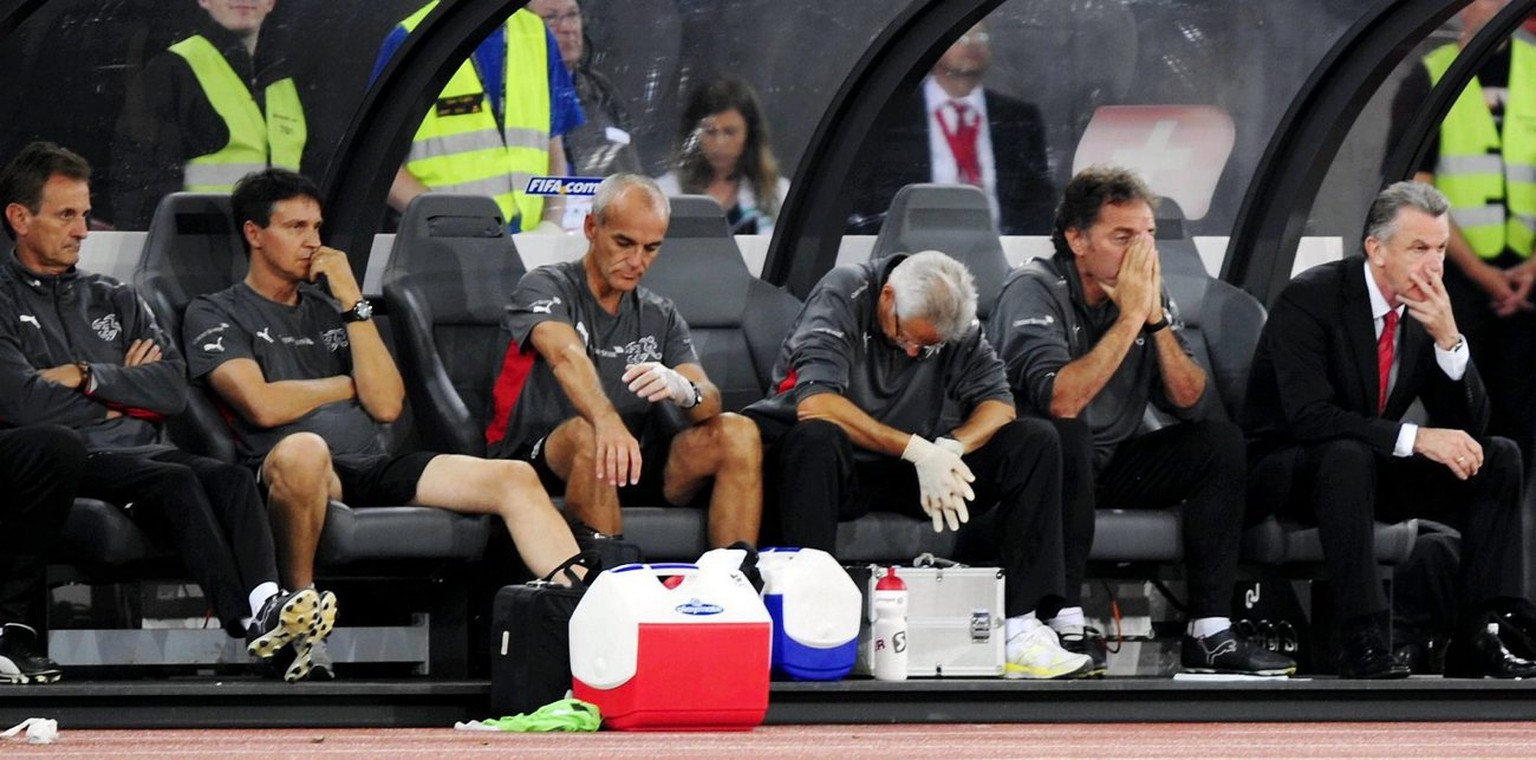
x,y
210,510
815,482
40,469
1200,465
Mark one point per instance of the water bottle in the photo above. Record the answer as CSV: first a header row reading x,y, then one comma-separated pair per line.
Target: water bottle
x,y
890,629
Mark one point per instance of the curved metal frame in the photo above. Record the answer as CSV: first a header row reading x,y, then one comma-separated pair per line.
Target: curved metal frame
x,y
809,230
1403,158
14,13
356,184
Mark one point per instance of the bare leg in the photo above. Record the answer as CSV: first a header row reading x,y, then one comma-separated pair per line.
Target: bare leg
x,y
506,488
726,447
571,453
300,483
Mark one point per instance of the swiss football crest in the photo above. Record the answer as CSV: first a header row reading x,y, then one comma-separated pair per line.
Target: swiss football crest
x,y
335,340
107,327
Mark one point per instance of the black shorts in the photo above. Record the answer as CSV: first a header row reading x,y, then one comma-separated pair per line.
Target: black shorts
x,y
382,482
649,492
386,481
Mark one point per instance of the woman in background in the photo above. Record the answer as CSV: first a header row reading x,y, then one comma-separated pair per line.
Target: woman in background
x,y
722,150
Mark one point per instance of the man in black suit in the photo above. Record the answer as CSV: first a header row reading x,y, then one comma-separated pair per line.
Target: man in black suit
x,y
1348,346
952,130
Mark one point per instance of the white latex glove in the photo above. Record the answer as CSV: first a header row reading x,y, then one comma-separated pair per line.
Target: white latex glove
x,y
654,381
951,445
944,479
956,513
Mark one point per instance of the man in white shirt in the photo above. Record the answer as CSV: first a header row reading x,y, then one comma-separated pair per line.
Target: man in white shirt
x,y
1348,347
956,131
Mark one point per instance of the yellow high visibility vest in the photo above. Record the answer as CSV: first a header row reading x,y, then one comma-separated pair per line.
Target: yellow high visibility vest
x,y
256,140
1482,172
458,148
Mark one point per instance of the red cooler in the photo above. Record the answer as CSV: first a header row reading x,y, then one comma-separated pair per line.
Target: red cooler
x,y
672,656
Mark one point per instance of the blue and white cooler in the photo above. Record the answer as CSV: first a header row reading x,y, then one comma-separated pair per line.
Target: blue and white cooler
x,y
816,609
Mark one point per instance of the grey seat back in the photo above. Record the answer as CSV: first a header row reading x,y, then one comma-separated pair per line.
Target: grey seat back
x,y
953,219
192,248
1221,322
449,278
737,321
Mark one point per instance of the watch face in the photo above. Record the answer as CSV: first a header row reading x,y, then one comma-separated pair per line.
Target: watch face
x,y
363,309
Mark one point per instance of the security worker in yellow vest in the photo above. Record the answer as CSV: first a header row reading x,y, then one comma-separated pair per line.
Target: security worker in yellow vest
x,y
498,122
1484,160
214,107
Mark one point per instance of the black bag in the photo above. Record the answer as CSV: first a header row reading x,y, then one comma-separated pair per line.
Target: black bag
x,y
531,640
611,550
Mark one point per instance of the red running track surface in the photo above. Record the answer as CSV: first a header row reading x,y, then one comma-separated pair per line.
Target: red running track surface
x,y
928,742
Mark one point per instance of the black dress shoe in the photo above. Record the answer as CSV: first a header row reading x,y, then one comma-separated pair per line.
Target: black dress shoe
x,y
1365,655
1482,655
1517,628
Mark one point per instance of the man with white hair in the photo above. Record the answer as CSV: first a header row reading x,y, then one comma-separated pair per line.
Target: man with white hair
x,y
887,397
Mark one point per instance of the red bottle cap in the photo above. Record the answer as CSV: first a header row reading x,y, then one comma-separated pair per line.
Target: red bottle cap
x,y
890,582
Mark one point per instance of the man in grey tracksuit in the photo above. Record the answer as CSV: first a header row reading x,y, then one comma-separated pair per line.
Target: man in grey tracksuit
x,y
84,351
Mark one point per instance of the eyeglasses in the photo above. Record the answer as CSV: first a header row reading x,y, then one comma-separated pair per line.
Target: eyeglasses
x,y
573,17
907,344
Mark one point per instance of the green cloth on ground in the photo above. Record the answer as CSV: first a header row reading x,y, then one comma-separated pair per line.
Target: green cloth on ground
x,y
559,715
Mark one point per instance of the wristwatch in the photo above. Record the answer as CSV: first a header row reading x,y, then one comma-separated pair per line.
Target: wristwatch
x,y
362,311
698,395
1159,324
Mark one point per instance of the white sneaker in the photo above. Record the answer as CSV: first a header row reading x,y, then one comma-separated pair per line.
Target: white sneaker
x,y
1036,653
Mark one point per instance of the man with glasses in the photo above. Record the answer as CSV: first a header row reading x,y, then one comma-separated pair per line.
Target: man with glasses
x,y
1090,337
955,131
603,145
887,397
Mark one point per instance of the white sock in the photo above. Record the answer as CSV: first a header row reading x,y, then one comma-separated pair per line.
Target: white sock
x,y
1208,626
1067,619
1019,624
259,596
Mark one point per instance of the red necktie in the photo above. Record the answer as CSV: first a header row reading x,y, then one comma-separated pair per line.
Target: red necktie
x,y
962,141
1384,357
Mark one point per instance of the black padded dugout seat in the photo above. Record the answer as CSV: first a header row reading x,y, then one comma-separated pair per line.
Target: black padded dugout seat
x,y
193,248
954,219
737,321
449,277
98,533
